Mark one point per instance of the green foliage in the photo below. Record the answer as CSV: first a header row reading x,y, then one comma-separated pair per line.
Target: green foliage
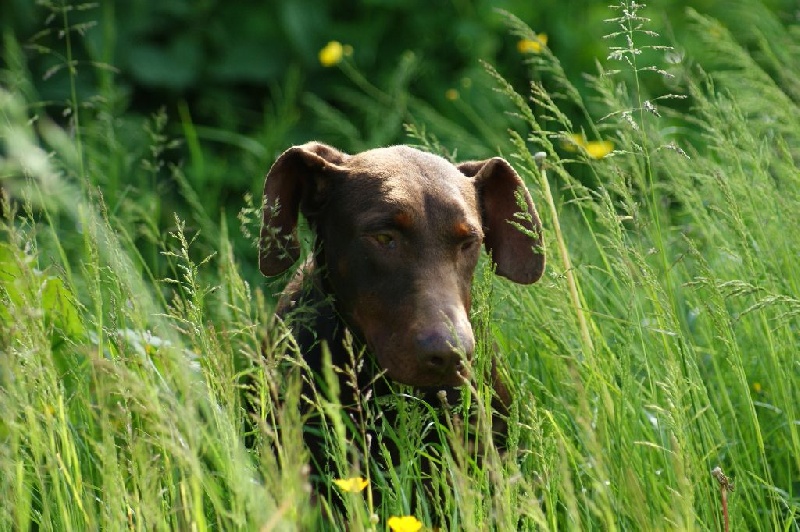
x,y
661,344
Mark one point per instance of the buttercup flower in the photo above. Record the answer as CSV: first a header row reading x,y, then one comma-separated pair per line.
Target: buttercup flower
x,y
532,46
596,149
408,523
352,485
331,54
573,141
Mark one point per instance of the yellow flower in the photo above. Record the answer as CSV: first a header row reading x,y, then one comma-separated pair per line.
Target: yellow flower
x,y
451,94
532,46
597,149
352,485
757,387
332,54
574,140
408,523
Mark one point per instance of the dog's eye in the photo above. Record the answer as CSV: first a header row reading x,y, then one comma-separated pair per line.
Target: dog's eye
x,y
385,240
469,244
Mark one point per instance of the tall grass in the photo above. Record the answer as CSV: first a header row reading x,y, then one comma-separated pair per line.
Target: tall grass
x,y
661,344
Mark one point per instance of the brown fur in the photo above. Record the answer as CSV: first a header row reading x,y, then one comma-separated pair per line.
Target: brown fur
x,y
398,235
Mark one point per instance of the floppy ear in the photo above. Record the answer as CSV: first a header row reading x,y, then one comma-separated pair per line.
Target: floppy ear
x,y
518,255
295,180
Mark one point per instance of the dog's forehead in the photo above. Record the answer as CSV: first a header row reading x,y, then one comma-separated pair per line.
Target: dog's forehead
x,y
409,176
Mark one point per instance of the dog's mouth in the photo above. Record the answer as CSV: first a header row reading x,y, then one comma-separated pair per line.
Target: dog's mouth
x,y
424,377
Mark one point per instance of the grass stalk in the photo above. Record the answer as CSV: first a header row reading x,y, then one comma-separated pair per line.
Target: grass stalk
x,y
577,304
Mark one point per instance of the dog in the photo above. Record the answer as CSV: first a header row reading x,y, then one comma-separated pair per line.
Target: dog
x,y
397,237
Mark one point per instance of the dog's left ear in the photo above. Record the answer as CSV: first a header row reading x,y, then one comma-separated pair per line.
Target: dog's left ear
x,y
517,255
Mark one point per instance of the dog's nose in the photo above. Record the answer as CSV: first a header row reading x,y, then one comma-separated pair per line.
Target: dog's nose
x,y
441,350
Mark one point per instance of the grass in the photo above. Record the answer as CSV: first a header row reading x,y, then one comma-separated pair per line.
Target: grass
x,y
661,344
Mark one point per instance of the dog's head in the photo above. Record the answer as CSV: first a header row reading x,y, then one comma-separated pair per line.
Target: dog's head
x,y
399,234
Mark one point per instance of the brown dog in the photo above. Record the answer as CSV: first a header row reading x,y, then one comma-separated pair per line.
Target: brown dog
x,y
398,235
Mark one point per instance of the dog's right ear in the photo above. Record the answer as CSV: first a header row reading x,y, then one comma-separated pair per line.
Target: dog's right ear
x,y
296,179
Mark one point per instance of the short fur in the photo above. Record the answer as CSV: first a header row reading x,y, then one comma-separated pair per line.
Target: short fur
x,y
398,234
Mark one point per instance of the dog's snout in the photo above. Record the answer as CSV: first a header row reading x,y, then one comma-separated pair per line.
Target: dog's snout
x,y
441,350
441,361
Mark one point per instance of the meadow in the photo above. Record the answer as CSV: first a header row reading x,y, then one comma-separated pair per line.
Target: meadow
x,y
655,367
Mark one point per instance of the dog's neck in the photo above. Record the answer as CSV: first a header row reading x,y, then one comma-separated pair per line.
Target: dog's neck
x,y
309,307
